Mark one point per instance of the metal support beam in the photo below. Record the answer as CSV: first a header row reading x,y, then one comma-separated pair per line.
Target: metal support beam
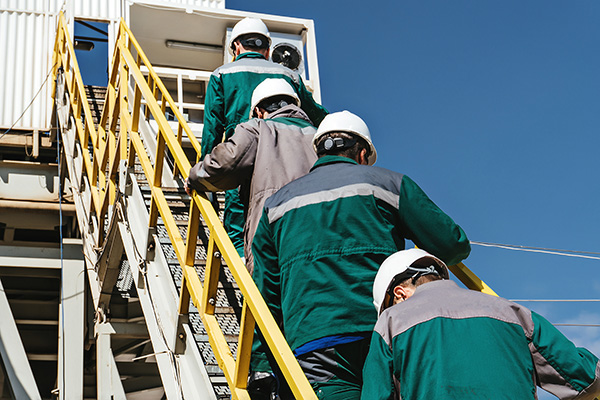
x,y
71,324
30,257
37,206
130,330
79,185
159,299
13,355
108,382
109,263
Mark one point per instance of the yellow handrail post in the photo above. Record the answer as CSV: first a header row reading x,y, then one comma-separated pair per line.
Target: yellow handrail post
x,y
157,182
179,140
184,298
242,363
211,278
137,101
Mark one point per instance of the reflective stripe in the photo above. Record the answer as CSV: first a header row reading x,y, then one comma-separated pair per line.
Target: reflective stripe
x,y
257,67
359,189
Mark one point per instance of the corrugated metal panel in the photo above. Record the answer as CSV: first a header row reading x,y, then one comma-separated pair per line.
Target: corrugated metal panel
x,y
27,29
220,4
27,32
199,3
33,6
95,9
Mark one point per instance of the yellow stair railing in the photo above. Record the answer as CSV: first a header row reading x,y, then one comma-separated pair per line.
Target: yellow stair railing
x,y
111,147
469,279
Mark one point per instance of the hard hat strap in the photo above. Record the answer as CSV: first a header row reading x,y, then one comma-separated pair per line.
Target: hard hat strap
x,y
413,273
335,144
254,42
273,104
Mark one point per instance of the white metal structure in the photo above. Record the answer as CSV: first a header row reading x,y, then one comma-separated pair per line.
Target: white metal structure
x,y
90,321
27,29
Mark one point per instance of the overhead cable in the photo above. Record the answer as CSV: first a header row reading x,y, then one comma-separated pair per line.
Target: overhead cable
x,y
559,252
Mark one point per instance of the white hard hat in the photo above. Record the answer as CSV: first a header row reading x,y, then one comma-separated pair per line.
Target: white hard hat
x,y
345,121
248,25
272,87
406,263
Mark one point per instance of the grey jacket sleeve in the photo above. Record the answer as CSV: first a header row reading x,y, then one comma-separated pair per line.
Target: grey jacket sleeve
x,y
566,371
230,163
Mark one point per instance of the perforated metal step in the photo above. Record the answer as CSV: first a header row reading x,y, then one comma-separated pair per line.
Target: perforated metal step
x,y
229,297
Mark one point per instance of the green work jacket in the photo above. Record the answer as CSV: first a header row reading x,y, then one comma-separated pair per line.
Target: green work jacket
x,y
446,342
322,238
229,93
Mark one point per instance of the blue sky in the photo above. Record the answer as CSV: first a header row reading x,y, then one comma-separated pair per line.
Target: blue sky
x,y
493,108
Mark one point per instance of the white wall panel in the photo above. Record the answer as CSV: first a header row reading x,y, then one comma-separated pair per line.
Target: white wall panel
x,y
38,6
183,3
26,40
27,31
96,9
199,3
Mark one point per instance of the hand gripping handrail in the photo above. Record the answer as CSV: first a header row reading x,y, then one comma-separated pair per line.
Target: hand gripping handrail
x,y
112,147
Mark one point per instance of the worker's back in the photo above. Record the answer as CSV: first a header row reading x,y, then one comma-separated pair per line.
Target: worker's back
x,y
283,153
332,229
451,343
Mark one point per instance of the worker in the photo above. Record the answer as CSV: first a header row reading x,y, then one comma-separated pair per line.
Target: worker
x,y
264,153
320,242
228,96
434,340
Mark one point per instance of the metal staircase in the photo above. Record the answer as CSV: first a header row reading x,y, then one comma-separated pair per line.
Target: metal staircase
x,y
166,283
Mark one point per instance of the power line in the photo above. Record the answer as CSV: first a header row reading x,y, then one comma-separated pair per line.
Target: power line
x,y
536,248
559,252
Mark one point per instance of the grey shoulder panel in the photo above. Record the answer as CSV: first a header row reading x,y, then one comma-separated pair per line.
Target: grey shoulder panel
x,y
444,299
251,124
333,182
337,175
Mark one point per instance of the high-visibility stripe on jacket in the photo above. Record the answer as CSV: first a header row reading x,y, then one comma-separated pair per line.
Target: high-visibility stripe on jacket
x,y
446,342
229,93
322,238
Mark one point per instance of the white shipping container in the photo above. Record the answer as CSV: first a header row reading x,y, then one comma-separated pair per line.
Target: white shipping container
x,y
27,32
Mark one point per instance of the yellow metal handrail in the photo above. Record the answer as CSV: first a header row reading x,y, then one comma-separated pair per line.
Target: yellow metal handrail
x,y
469,279
112,147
